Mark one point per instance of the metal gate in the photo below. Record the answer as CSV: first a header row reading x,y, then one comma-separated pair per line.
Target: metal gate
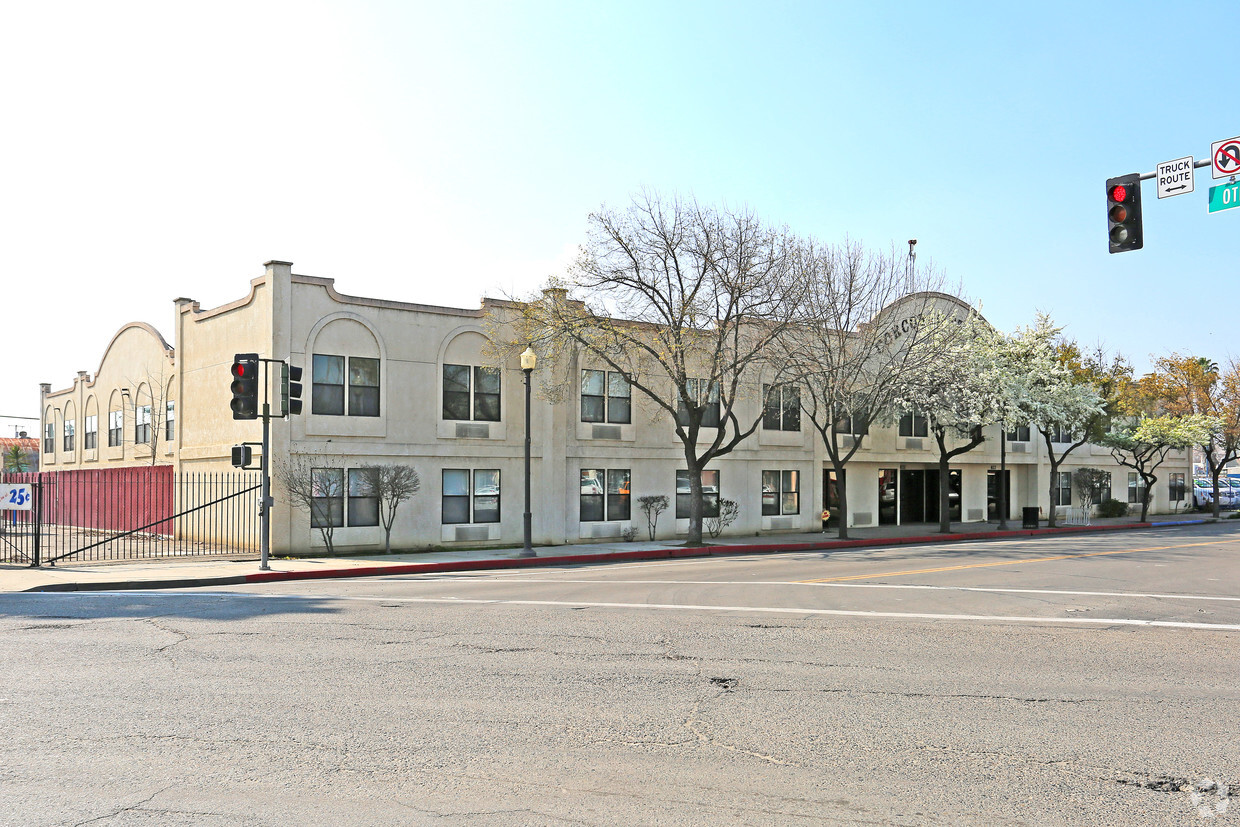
x,y
131,514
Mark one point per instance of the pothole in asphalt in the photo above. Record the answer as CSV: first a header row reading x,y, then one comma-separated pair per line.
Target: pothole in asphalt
x,y
726,684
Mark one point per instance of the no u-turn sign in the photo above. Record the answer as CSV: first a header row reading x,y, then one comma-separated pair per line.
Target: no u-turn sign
x,y
1225,158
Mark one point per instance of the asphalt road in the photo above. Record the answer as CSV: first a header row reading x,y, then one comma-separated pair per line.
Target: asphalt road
x,y
1074,680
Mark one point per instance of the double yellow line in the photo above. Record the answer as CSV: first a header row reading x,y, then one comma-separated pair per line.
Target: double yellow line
x,y
1008,562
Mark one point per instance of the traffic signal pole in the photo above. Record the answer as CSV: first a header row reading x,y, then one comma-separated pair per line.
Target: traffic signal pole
x,y
264,542
244,405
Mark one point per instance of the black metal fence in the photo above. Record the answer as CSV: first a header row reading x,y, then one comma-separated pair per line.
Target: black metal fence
x,y
129,514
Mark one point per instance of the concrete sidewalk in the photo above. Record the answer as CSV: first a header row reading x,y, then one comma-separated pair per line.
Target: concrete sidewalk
x,y
187,573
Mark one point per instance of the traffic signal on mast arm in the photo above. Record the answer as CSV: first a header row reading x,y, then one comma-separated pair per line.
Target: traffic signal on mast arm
x,y
290,387
245,386
1124,213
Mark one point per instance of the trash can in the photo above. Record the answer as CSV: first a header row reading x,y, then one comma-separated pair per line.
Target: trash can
x,y
1030,517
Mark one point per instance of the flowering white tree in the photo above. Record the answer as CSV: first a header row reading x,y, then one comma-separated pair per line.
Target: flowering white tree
x,y
1144,442
959,392
1043,392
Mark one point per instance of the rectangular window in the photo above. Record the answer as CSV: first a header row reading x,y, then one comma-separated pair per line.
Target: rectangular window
x,y
170,421
1136,487
470,496
116,425
363,386
781,408
90,434
1020,433
702,394
363,497
142,425
1063,488
1061,434
605,397
327,392
69,428
49,438
844,425
1104,490
913,424
327,497
605,494
710,494
471,392
1176,486
781,493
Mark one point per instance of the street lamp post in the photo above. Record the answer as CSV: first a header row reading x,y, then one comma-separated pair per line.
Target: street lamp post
x,y
529,360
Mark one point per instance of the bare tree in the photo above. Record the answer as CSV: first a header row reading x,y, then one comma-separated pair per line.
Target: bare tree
x,y
865,324
652,505
151,400
317,487
392,485
683,302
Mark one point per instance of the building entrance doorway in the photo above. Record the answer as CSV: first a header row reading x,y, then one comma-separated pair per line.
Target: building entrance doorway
x,y
992,494
831,500
919,495
887,490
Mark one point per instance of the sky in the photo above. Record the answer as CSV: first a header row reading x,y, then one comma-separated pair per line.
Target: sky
x,y
442,152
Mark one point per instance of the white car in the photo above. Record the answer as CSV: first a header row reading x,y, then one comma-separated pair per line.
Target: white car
x,y
1203,493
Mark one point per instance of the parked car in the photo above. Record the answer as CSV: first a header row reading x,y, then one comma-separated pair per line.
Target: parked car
x,y
1203,493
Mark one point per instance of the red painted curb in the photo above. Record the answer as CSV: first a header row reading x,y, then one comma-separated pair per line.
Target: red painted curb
x,y
668,553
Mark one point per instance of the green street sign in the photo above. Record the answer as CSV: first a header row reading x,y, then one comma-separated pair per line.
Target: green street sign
x,y
1224,197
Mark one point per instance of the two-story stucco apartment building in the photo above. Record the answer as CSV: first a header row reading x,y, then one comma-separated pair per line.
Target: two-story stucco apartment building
x,y
391,382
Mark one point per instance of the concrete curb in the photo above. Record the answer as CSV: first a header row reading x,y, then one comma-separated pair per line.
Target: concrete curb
x,y
576,559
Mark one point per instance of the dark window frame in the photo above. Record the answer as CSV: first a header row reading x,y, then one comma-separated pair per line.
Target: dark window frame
x,y
782,484
327,509
170,421
1018,433
141,428
116,427
913,424
1063,488
476,499
705,394
1176,486
362,498
781,407
607,406
613,505
472,389
90,433
1136,485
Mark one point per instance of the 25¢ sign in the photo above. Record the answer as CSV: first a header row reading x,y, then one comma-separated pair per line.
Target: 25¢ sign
x,y
15,497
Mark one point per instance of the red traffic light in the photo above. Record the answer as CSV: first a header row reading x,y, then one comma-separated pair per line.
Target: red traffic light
x,y
239,369
1119,194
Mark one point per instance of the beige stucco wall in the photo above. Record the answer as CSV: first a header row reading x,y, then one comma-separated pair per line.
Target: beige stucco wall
x,y
138,368
287,316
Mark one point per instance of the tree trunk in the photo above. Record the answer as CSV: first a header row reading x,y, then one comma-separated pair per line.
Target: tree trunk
x,y
1214,473
695,505
945,517
841,489
1050,511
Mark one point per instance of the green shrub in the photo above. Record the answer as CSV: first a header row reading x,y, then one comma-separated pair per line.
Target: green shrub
x,y
1112,508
